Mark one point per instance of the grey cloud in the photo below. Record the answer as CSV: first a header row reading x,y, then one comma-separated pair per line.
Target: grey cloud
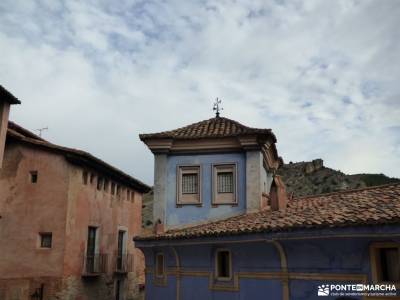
x,y
321,74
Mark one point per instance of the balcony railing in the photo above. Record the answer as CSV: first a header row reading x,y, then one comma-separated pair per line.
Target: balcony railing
x,y
95,264
124,263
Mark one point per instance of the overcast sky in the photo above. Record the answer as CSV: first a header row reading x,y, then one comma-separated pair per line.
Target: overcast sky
x,y
324,75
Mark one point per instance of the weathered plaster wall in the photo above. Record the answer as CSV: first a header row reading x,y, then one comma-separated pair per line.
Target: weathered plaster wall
x,y
265,180
258,180
310,263
160,193
27,209
198,263
88,206
187,214
330,255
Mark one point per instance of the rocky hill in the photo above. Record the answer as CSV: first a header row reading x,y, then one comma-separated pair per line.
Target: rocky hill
x,y
312,177
147,210
301,179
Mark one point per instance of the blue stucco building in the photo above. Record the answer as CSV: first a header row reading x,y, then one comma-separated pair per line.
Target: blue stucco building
x,y
225,228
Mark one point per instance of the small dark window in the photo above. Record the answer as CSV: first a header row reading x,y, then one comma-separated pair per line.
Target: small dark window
x,y
46,240
100,183
112,188
118,190
92,176
223,264
85,177
160,267
389,264
105,185
34,176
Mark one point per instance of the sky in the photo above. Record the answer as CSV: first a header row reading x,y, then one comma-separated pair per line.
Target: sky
x,y
323,75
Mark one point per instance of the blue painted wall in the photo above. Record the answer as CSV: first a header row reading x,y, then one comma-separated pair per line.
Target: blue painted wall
x,y
326,256
188,214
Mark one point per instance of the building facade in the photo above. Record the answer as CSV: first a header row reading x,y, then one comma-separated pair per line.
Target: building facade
x,y
65,221
225,228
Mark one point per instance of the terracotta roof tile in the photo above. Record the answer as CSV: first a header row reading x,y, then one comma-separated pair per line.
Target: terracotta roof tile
x,y
212,128
376,205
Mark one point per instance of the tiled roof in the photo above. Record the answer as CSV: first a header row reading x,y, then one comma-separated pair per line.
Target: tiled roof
x,y
7,96
23,135
212,128
23,132
376,205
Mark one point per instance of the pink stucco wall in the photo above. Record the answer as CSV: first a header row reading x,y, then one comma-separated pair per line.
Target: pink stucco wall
x,y
88,206
59,203
27,209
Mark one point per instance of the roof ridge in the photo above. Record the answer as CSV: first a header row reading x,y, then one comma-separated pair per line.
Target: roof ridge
x,y
348,191
215,127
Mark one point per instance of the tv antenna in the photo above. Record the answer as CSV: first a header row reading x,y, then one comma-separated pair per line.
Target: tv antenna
x,y
41,130
217,107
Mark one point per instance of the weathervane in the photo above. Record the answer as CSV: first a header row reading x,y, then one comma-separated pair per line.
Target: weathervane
x,y
42,129
217,107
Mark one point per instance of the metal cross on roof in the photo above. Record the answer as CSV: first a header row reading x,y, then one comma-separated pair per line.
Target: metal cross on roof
x,y
217,107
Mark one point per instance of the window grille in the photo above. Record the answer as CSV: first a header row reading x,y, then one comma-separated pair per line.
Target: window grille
x,y
45,240
225,182
189,184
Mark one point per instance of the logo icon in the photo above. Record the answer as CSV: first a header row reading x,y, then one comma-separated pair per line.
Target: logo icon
x,y
323,290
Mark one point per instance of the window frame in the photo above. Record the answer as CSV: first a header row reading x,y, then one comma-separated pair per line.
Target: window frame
x,y
188,199
33,176
375,262
218,198
156,265
42,235
216,267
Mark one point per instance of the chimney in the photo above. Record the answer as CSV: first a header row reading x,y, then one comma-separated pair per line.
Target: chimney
x,y
159,227
277,194
6,99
